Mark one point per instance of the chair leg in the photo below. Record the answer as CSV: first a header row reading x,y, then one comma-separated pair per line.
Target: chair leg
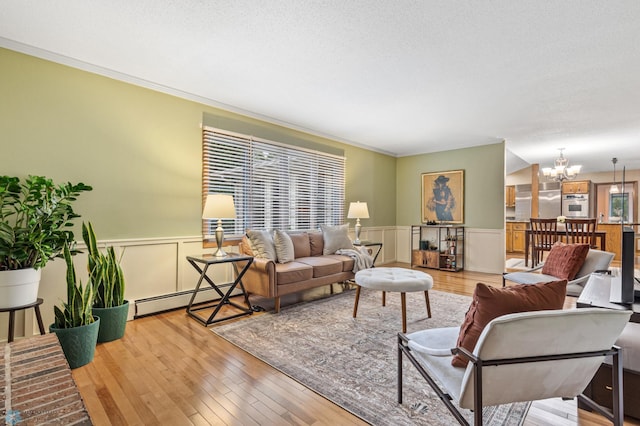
x,y
276,308
426,299
403,302
355,304
384,298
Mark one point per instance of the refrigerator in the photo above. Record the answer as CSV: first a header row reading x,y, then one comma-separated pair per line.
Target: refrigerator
x,y
523,203
549,200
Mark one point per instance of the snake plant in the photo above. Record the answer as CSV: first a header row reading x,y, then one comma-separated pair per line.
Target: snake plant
x,y
104,271
77,311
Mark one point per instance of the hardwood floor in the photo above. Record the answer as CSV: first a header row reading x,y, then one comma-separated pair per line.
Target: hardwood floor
x,y
169,369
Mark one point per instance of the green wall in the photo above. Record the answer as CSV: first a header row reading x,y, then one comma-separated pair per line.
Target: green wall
x,y
140,149
484,184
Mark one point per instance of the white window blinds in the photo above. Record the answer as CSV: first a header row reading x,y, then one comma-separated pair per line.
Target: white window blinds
x,y
274,186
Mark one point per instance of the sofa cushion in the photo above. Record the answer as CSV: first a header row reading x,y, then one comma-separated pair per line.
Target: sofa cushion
x,y
284,246
261,244
322,265
565,260
335,238
293,272
316,242
347,262
301,247
491,302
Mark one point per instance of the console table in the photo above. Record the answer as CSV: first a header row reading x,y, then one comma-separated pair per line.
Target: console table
x,y
596,295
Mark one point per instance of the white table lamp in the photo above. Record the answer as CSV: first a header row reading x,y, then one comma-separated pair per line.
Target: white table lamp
x,y
219,206
358,211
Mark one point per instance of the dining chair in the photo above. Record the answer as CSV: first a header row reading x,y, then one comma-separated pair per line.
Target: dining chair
x,y
544,235
581,231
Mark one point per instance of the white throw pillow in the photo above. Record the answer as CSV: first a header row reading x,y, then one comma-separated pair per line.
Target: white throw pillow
x,y
335,238
284,246
262,244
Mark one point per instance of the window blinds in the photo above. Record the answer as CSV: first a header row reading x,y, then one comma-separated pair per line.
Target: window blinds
x,y
274,186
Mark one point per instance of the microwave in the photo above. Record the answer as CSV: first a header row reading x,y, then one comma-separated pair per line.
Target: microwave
x,y
575,205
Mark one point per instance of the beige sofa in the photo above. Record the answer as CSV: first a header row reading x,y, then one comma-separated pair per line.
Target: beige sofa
x,y
310,268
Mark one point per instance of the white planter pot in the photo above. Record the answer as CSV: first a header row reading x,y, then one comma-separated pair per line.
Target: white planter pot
x,y
19,288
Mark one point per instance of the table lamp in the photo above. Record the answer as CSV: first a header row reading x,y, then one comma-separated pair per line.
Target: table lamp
x,y
358,211
219,206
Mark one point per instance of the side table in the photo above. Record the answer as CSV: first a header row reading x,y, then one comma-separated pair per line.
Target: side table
x,y
207,260
371,244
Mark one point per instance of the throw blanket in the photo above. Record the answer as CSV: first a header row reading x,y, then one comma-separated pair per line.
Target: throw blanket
x,y
361,258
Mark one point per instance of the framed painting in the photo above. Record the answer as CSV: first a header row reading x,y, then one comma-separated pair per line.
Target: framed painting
x,y
443,197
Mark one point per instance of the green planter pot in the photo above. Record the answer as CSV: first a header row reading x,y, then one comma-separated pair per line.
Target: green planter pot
x,y
78,343
112,321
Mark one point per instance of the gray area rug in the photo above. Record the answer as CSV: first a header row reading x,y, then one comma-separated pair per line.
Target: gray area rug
x,y
352,362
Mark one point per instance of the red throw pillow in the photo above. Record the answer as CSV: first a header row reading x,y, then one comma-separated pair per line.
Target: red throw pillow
x,y
565,260
492,302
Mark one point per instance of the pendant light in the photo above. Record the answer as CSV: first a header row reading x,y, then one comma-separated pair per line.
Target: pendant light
x,y
614,188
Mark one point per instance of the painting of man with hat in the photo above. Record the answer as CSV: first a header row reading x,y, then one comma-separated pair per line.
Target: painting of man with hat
x,y
443,193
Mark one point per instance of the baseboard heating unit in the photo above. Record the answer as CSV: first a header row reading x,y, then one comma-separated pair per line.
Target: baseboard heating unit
x,y
169,302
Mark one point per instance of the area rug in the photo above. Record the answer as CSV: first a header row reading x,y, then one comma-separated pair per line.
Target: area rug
x,y
352,362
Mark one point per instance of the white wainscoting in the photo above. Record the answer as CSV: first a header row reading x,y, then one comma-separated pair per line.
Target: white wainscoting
x,y
158,267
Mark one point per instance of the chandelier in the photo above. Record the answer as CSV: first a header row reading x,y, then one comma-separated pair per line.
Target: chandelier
x,y
561,170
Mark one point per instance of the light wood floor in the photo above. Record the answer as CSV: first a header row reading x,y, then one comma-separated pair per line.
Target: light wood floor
x,y
169,369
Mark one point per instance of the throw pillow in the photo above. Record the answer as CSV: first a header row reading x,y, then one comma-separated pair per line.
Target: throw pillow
x,y
335,238
301,247
316,243
565,260
262,244
284,246
492,302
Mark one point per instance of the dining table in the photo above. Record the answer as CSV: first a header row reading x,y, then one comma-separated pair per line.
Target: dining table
x,y
600,236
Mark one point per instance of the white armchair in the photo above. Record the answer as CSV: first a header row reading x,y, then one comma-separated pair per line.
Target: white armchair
x,y
551,353
596,260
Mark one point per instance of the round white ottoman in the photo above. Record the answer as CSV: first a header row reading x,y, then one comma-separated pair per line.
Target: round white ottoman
x,y
394,279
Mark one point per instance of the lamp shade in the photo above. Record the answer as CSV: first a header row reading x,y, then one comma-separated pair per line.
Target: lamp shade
x,y
219,206
358,210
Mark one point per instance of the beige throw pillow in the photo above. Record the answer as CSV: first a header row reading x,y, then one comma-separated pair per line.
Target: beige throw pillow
x,y
335,238
262,244
284,246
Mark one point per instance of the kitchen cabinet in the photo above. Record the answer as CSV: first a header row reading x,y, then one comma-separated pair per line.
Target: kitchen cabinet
x,y
515,236
510,196
438,247
576,187
614,238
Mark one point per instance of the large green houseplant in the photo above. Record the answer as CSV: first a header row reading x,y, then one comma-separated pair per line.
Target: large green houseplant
x,y
74,323
35,219
107,278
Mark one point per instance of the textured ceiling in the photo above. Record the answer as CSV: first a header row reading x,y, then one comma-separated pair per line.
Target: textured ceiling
x,y
400,77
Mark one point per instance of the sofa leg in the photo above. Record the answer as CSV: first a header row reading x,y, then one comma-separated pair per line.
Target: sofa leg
x,y
277,304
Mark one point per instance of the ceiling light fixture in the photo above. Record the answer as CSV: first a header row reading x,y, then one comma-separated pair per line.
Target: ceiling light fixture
x,y
614,187
561,170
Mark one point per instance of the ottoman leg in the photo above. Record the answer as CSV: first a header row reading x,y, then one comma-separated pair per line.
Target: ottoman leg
x,y
403,301
426,298
384,298
355,304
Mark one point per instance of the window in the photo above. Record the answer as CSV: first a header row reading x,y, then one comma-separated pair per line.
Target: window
x,y
273,185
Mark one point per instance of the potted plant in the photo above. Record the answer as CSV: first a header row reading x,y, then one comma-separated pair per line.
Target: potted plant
x,y
74,324
107,279
35,216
